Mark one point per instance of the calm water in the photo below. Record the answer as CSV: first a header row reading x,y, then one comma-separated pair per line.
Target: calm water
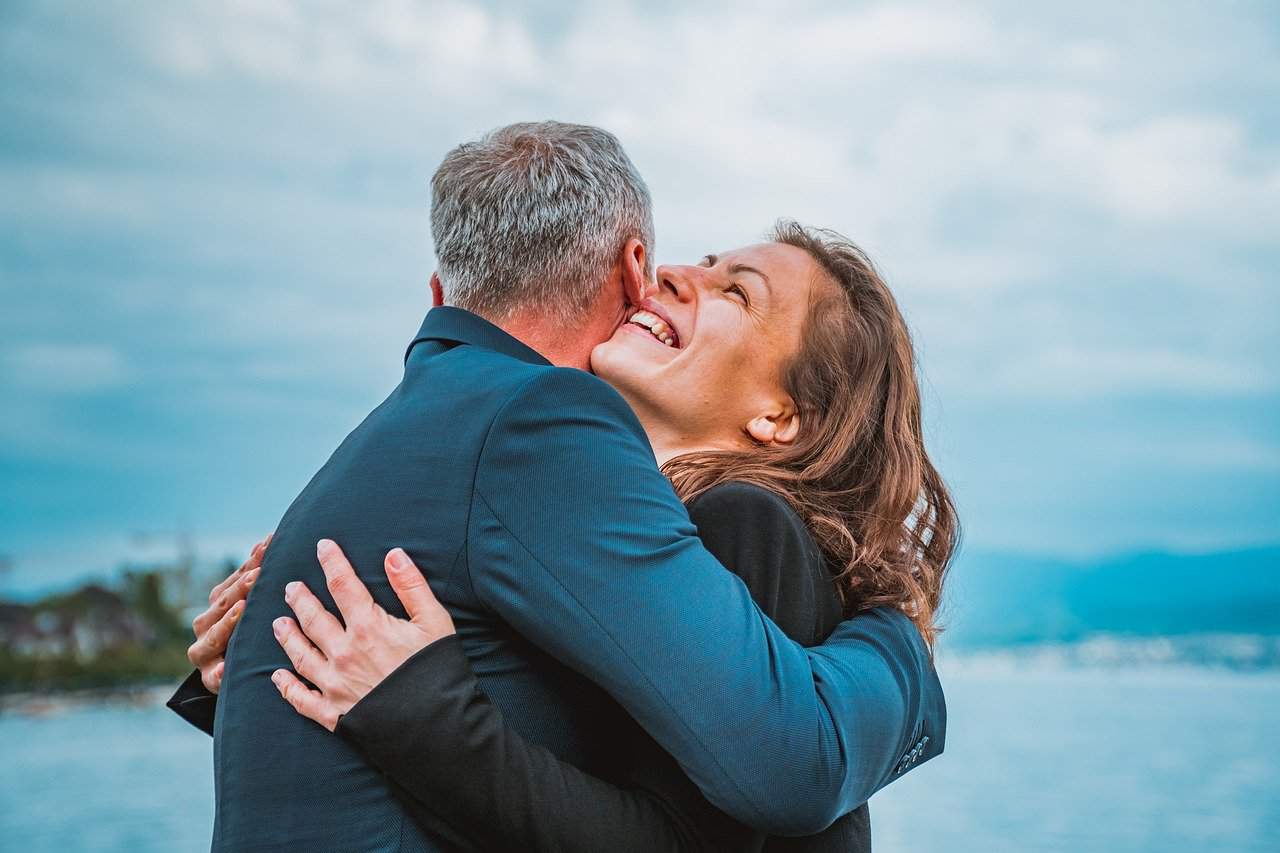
x,y
1037,760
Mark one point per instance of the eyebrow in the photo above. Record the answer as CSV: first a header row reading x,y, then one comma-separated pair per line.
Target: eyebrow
x,y
711,260
737,268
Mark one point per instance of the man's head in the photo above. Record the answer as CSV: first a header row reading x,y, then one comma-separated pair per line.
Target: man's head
x,y
534,218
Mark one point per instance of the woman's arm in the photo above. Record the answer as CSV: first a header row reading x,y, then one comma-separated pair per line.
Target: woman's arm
x,y
434,733
430,728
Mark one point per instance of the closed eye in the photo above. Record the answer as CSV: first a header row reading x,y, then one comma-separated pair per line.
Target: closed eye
x,y
742,294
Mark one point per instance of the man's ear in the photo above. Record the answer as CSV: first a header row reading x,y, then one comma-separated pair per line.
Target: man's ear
x,y
437,291
780,426
632,265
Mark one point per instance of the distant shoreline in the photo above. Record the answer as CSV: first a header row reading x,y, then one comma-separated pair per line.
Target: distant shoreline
x,y
1235,653
1239,652
56,702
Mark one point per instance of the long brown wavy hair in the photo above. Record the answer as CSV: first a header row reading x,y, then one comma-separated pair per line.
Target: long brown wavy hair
x,y
858,473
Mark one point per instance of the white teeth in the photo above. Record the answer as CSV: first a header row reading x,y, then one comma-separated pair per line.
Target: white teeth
x,y
656,326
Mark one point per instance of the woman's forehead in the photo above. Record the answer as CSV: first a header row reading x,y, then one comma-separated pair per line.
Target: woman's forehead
x,y
779,260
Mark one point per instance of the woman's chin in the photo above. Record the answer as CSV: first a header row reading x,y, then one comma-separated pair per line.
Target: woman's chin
x,y
612,360
627,367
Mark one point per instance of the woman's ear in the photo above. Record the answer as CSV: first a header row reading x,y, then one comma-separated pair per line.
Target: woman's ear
x,y
633,265
778,427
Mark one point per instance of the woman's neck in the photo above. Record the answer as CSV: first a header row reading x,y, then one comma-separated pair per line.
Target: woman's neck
x,y
664,451
668,441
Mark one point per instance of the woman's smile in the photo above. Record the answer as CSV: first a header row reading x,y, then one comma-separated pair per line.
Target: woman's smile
x,y
654,319
655,322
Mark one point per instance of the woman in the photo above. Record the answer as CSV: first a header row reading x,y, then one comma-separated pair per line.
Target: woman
x,y
776,384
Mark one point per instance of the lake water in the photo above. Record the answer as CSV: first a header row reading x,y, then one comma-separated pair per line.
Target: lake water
x,y
1061,760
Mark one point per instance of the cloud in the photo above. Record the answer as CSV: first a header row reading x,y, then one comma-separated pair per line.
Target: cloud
x,y
213,219
65,368
1066,371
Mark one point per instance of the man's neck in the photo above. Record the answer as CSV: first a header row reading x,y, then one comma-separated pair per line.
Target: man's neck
x,y
562,345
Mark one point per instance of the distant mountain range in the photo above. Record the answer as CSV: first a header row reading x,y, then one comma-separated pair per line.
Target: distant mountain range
x,y
997,600
1000,599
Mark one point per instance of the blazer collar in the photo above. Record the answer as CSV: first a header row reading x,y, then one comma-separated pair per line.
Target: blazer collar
x,y
445,323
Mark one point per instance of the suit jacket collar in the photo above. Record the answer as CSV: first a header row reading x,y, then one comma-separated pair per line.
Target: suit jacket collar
x,y
446,323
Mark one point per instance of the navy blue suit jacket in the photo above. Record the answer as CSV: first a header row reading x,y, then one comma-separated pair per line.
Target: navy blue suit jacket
x,y
530,497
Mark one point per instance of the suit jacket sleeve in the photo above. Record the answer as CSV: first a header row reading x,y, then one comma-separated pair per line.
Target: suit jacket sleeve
x,y
579,543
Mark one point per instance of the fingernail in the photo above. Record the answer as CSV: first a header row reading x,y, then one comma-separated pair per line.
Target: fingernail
x,y
250,577
399,559
291,589
237,610
276,677
324,546
278,626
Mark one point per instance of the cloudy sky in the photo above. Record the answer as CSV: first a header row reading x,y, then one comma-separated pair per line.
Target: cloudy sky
x,y
214,240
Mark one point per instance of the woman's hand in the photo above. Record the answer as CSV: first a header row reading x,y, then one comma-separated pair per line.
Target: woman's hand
x,y
213,627
346,663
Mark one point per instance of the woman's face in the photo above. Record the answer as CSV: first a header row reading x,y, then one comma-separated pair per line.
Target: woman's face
x,y
701,360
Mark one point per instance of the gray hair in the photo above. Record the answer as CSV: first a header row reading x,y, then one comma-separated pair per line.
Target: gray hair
x,y
533,216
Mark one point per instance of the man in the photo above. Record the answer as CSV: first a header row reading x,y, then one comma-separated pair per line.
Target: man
x,y
530,498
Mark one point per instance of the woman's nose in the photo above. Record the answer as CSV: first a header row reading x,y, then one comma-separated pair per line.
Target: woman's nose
x,y
675,281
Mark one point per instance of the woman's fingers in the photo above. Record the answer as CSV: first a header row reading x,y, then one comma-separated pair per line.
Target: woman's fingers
x,y
304,656
221,587
210,646
218,672
237,591
415,594
348,591
254,562
308,703
320,626
207,653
